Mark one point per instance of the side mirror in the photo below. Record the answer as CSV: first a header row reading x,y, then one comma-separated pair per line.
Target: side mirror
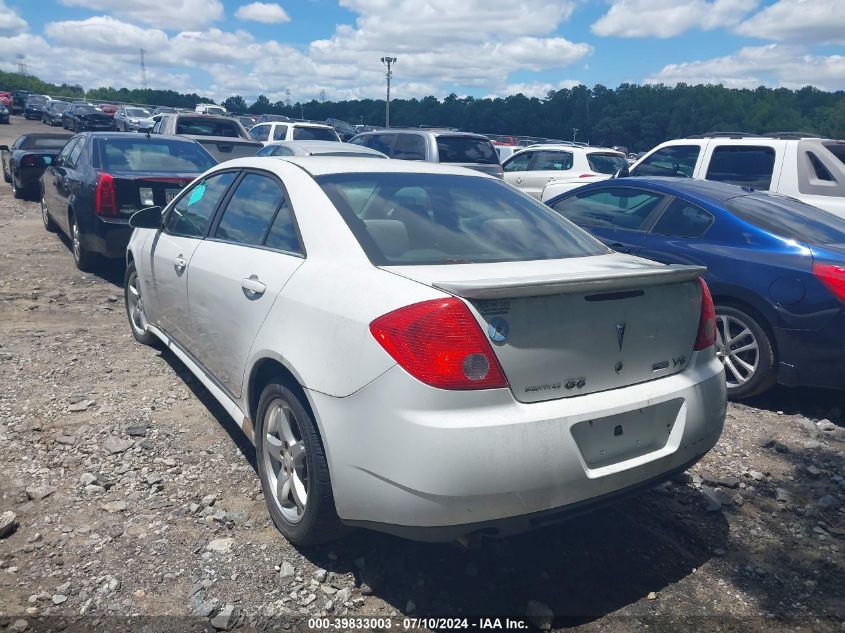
x,y
622,173
149,218
48,160
4,148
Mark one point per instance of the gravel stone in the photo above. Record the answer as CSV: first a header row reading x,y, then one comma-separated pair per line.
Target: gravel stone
x,y
115,445
8,523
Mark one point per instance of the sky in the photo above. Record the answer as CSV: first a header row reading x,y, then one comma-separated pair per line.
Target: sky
x,y
332,48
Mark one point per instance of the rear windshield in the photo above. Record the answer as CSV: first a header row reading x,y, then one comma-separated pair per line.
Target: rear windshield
x,y
314,134
58,105
152,155
37,99
463,149
83,109
606,163
417,219
201,126
44,142
789,219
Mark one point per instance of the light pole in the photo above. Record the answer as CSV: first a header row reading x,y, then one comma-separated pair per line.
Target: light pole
x,y
388,61
574,132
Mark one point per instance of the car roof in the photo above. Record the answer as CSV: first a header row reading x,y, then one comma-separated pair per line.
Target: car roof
x,y
399,130
326,146
708,190
324,165
110,136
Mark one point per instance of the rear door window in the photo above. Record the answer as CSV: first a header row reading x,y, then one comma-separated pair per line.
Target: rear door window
x,y
606,163
743,165
314,134
382,143
191,213
280,133
518,162
409,147
683,219
617,207
260,132
466,149
673,160
552,161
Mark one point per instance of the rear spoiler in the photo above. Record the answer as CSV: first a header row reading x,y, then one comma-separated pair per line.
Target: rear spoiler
x,y
563,283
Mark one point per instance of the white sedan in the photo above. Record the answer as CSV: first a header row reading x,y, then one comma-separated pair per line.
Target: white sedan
x,y
424,350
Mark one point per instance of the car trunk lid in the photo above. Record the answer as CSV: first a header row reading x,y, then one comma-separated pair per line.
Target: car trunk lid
x,y
563,328
137,191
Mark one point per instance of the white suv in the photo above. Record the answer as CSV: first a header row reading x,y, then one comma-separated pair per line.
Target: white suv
x,y
568,166
292,131
807,168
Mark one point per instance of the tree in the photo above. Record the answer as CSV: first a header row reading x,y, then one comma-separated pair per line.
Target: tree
x,y
235,104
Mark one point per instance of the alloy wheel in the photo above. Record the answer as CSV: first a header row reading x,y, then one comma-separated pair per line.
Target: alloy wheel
x,y
738,350
135,304
44,215
77,245
285,461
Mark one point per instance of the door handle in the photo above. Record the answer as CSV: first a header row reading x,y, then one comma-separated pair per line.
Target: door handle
x,y
619,247
252,287
179,264
518,180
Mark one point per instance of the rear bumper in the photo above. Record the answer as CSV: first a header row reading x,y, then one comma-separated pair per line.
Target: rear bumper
x,y
107,236
435,465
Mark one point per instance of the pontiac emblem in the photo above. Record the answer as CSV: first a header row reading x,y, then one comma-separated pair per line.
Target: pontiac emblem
x,y
620,334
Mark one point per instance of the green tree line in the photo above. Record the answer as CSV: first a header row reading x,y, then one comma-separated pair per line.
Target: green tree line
x,y
638,117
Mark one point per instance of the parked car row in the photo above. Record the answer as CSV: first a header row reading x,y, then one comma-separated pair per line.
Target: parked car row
x,y
435,308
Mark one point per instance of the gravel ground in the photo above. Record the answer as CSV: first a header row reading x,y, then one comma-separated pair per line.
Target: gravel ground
x,y
128,499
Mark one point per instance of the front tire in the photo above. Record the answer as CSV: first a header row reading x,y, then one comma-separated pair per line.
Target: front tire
x,y
293,470
83,258
745,349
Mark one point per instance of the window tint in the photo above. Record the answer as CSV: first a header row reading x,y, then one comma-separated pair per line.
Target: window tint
x,y
551,161
207,126
821,172
618,207
417,219
280,133
260,132
683,219
409,147
519,162
67,149
359,140
266,151
675,160
41,142
314,134
250,210
465,149
789,218
382,143
282,235
75,153
191,213
744,165
606,163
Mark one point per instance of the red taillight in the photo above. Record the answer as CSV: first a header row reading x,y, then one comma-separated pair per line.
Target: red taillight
x,y
105,198
707,321
29,161
439,343
832,276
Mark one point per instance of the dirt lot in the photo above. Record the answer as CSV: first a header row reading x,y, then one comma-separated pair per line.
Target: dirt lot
x,y
138,505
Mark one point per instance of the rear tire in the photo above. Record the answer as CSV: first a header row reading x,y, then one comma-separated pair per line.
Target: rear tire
x,y
745,349
83,258
49,225
135,307
18,193
289,448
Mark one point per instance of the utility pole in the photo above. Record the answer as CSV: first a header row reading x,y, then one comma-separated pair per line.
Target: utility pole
x,y
287,97
388,61
143,71
23,67
574,132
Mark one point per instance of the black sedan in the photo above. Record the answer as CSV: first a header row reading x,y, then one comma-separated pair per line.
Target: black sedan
x,y
80,117
52,113
100,179
26,160
35,106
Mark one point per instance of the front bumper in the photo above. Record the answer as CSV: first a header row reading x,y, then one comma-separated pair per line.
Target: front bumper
x,y
436,465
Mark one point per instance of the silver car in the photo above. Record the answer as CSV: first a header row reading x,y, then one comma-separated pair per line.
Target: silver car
x,y
132,119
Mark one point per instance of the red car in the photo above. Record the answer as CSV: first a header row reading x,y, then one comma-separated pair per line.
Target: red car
x,y
6,99
108,108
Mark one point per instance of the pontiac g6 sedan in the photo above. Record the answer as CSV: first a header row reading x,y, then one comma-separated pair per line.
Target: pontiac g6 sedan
x,y
424,350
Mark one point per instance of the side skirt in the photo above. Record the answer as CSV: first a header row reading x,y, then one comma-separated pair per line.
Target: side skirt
x,y
209,382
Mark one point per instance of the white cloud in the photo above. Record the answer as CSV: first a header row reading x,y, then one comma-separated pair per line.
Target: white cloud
x,y
265,12
668,18
173,15
105,34
801,21
10,22
770,65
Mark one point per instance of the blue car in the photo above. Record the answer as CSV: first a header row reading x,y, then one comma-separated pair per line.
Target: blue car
x,y
775,266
